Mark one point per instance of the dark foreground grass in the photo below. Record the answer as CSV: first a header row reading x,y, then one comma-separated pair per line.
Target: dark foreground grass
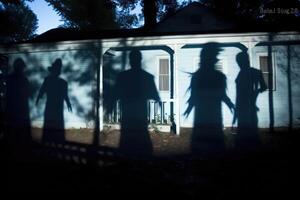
x,y
75,168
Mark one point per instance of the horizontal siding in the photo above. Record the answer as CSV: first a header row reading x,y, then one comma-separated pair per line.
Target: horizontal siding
x,y
187,65
76,71
81,59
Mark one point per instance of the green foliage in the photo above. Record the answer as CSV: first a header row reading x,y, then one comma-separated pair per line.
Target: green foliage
x,y
15,2
108,14
92,14
18,22
125,18
166,8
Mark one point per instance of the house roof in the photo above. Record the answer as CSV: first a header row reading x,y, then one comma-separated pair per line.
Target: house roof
x,y
194,18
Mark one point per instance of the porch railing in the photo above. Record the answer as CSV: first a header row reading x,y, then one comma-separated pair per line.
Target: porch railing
x,y
158,113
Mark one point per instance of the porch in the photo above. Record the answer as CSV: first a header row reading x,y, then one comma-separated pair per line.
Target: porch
x,y
160,116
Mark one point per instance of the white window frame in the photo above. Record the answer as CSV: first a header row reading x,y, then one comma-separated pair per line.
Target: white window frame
x,y
158,58
265,53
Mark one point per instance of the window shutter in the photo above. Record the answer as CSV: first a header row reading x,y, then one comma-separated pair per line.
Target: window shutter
x,y
163,74
263,65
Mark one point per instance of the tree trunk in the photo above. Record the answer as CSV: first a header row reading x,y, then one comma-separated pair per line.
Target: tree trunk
x,y
150,12
270,79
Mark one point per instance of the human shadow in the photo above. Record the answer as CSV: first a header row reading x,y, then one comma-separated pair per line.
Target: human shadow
x,y
18,133
134,87
208,91
56,90
249,83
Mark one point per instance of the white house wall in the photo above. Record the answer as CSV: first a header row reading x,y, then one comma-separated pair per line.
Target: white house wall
x,y
295,76
77,65
187,65
82,58
280,94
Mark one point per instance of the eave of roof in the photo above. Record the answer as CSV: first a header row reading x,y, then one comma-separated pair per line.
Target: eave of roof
x,y
59,34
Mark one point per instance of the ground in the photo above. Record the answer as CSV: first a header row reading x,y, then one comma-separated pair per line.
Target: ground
x,y
163,143
171,172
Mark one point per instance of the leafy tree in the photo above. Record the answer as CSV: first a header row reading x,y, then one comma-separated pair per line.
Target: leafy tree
x,y
124,16
156,10
149,9
18,22
111,14
166,8
91,14
153,10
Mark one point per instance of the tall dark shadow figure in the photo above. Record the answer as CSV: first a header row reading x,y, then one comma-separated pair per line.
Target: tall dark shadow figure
x,y
249,83
134,88
17,110
208,90
56,90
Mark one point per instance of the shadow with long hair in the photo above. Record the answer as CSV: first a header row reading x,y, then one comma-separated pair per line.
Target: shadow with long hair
x,y
134,87
208,91
249,83
56,90
18,133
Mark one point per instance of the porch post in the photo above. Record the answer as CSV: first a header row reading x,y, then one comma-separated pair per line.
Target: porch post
x,y
176,98
172,90
289,88
100,83
270,83
288,44
173,74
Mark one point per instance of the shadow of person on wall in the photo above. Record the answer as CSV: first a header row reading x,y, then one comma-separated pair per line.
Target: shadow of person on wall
x,y
134,87
17,111
249,83
56,90
208,90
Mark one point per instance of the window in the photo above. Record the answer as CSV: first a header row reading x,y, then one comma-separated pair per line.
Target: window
x,y
263,65
164,74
